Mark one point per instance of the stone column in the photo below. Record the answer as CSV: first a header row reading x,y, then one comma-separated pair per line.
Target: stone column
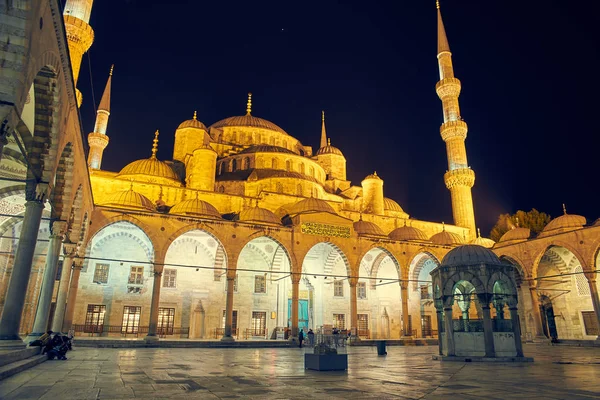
x,y
353,308
295,299
158,271
440,322
69,250
450,350
42,313
70,311
488,332
514,317
538,331
464,304
227,335
19,279
404,297
591,277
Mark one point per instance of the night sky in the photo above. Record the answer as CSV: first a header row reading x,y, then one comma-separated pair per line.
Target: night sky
x,y
528,71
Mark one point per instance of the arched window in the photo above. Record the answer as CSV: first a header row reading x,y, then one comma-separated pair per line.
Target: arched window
x,y
279,187
302,171
221,189
233,165
288,165
583,289
299,190
272,141
246,163
274,164
311,171
249,138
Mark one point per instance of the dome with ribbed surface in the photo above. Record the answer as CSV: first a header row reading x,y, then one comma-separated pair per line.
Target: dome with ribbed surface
x,y
367,228
129,199
192,123
195,208
149,167
408,233
470,254
260,215
329,149
445,238
311,205
516,234
484,242
373,176
248,121
266,148
564,222
597,222
391,205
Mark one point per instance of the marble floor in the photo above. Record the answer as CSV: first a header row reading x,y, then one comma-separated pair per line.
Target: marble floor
x,y
405,373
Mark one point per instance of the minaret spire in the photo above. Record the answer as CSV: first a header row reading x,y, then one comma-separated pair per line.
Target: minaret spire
x,y
98,140
459,178
249,104
323,132
155,145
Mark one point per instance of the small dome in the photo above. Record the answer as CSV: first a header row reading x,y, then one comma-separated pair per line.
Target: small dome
x,y
129,199
445,238
470,254
149,167
484,242
248,121
373,176
391,205
408,233
597,222
266,148
329,149
192,123
260,215
516,234
367,228
196,208
312,205
564,222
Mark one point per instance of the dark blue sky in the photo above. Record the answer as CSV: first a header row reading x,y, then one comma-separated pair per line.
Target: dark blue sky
x,y
528,68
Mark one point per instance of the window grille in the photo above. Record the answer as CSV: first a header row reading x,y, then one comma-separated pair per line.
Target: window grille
x,y
260,284
339,321
101,273
233,320
131,319
166,320
361,290
583,288
170,278
136,276
590,322
338,288
94,318
363,322
259,323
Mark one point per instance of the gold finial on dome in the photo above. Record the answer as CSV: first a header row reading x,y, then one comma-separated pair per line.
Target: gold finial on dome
x,y
195,117
437,4
112,67
443,226
564,209
249,104
478,232
328,142
155,145
323,116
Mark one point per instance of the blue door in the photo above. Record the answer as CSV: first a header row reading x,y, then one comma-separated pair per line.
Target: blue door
x,y
302,314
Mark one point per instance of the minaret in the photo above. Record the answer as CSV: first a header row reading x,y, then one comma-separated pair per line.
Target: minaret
x,y
80,34
323,132
459,178
98,140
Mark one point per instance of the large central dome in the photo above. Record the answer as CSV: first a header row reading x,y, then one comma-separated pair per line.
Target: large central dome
x,y
248,121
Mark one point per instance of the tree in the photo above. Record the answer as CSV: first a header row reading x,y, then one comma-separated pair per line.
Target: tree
x,y
534,220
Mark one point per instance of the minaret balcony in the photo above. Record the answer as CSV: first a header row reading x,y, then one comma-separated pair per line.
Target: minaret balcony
x,y
453,129
459,177
448,87
78,31
96,139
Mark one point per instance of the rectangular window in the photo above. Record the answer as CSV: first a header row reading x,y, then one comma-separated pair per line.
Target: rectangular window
x,y
361,290
94,318
233,321
363,323
101,273
259,323
136,276
426,325
260,284
131,319
166,321
339,321
169,278
338,288
591,323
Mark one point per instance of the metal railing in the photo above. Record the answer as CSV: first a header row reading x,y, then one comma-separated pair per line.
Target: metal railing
x,y
250,333
103,330
219,332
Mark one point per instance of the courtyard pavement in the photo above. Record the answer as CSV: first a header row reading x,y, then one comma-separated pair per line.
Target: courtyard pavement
x,y
406,372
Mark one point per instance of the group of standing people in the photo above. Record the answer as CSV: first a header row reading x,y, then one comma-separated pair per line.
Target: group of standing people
x,y
310,335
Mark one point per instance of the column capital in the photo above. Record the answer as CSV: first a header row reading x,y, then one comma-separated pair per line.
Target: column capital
x,y
590,276
295,278
158,269
37,193
58,229
69,249
78,263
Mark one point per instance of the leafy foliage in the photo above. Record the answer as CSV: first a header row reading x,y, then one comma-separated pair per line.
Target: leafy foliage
x,y
534,220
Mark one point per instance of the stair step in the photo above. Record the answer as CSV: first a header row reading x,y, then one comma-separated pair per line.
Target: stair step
x,y
10,356
21,365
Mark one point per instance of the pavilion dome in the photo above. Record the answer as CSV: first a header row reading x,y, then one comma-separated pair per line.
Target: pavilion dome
x,y
391,205
516,234
195,208
597,222
260,215
373,176
408,233
445,238
249,121
484,242
563,223
311,204
129,199
470,254
329,149
192,123
368,228
149,167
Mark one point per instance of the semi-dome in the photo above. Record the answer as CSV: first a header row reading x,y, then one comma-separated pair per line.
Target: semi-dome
x,y
129,199
311,204
192,123
516,234
470,254
260,215
484,242
367,228
373,176
391,205
564,222
408,233
248,121
195,208
445,238
266,148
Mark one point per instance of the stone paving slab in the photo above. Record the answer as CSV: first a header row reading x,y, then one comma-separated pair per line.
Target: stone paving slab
x,y
405,373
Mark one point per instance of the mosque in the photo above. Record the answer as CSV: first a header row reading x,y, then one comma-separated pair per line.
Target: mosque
x,y
246,233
